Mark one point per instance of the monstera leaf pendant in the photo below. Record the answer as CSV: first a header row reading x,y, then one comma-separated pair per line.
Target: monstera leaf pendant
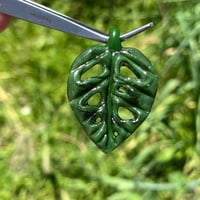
x,y
111,104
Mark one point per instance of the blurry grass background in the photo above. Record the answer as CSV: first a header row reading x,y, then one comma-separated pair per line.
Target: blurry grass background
x,y
45,154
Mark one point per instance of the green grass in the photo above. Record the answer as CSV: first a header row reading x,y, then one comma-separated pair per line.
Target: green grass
x,y
44,152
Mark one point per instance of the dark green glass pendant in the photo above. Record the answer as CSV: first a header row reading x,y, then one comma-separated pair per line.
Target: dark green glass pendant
x,y
111,90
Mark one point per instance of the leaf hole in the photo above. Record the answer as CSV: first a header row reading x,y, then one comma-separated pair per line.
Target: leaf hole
x,y
125,71
94,71
125,113
122,90
94,100
98,120
115,134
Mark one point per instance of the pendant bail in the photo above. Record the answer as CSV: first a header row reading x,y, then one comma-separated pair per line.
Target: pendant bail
x,y
114,42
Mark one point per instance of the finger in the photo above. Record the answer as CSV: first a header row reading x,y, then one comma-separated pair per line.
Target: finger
x,y
4,21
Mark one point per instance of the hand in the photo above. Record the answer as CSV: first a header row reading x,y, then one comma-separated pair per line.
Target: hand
x,y
4,21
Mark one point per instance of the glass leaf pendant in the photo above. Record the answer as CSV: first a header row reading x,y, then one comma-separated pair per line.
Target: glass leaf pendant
x,y
111,89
